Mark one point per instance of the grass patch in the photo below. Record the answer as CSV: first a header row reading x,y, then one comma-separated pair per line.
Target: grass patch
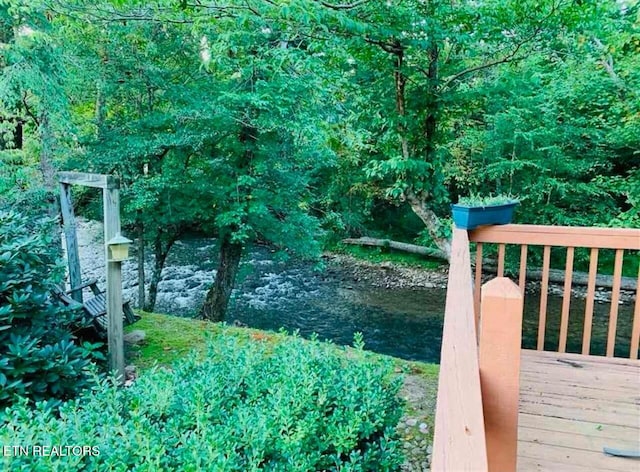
x,y
380,254
169,338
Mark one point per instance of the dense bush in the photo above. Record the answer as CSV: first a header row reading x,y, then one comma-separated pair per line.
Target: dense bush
x,y
292,405
39,358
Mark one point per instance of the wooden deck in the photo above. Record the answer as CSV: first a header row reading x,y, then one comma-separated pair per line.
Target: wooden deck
x,y
571,406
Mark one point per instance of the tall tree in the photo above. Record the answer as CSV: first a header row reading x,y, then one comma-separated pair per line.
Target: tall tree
x,y
216,125
421,66
32,98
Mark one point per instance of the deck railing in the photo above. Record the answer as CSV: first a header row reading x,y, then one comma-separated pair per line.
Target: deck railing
x,y
595,239
478,389
477,408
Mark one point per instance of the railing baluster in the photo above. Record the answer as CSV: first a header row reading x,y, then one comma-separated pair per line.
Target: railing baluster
x,y
615,298
477,285
543,297
501,248
588,311
635,334
523,268
566,301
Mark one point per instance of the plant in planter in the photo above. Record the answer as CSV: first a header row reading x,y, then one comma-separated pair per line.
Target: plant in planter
x,y
474,211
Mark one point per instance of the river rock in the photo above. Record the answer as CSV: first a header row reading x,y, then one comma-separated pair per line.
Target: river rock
x,y
135,337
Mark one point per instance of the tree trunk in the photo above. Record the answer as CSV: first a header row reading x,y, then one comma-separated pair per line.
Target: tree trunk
x,y
141,275
417,202
431,221
47,143
160,252
217,299
100,109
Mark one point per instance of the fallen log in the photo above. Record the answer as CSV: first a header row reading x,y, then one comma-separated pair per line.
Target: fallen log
x,y
405,247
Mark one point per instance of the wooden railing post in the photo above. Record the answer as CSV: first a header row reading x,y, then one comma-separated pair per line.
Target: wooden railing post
x,y
459,443
499,357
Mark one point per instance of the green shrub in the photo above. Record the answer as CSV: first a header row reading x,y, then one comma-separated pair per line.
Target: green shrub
x,y
38,356
245,406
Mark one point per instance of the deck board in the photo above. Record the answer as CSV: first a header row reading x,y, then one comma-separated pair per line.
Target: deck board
x,y
571,409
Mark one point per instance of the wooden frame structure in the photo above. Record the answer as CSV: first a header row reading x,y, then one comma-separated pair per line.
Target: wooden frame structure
x,y
110,186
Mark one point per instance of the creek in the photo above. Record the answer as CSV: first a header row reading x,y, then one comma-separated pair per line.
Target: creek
x,y
399,319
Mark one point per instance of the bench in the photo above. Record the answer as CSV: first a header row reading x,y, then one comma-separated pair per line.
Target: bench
x,y
95,308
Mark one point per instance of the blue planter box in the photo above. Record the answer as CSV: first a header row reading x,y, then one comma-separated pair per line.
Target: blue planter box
x,y
470,217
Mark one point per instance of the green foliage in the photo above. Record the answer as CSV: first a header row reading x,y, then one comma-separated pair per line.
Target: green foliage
x,y
558,128
480,201
292,406
39,358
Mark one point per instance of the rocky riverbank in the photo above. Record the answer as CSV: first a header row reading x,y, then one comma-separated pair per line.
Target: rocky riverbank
x,y
385,275
392,276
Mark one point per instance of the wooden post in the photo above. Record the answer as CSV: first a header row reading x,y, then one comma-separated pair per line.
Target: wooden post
x,y
114,283
499,358
71,240
459,441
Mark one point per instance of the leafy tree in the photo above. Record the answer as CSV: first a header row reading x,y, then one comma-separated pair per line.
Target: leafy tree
x,y
33,107
432,59
214,124
558,128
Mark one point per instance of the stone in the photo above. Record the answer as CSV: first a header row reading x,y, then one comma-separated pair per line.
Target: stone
x,y
130,372
135,337
412,422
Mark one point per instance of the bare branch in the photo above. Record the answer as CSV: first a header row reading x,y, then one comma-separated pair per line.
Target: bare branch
x,y
509,58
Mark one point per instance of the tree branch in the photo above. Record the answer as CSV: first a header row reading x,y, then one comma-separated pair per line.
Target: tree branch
x,y
343,6
28,111
512,56
508,58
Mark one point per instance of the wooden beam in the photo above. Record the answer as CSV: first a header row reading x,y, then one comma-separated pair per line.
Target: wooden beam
x,y
544,292
459,442
522,282
615,298
114,284
500,338
588,311
71,241
602,238
477,285
566,301
89,180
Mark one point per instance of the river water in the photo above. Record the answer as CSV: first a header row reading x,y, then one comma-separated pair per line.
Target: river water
x,y
294,295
